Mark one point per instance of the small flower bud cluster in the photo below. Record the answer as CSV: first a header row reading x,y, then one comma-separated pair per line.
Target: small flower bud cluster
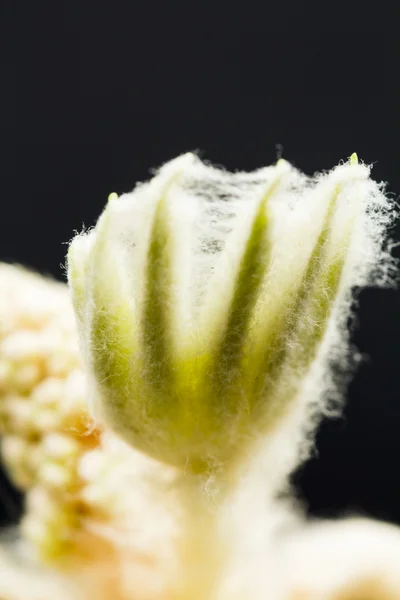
x,y
41,383
43,410
87,492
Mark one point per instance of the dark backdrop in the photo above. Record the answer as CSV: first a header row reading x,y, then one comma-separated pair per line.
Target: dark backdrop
x,y
92,97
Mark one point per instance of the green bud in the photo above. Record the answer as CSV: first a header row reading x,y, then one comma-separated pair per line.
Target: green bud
x,y
210,304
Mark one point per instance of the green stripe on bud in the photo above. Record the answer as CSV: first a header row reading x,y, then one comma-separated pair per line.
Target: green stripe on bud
x,y
157,319
250,278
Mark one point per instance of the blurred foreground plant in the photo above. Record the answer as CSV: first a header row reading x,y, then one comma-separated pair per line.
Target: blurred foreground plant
x,y
83,487
211,309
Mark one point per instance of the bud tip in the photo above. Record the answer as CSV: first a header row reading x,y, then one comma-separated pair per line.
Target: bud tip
x,y
354,159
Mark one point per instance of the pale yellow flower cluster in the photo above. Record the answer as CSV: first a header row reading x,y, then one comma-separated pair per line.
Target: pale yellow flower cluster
x,y
86,491
44,421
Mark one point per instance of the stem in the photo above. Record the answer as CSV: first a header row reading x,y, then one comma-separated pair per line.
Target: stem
x,y
202,554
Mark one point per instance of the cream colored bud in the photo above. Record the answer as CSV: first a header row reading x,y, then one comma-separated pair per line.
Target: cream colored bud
x,y
20,414
56,476
59,446
14,448
75,393
39,501
15,455
27,376
99,496
49,393
21,346
46,419
92,465
60,364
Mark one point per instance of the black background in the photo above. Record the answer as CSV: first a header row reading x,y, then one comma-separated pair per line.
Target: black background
x,y
93,96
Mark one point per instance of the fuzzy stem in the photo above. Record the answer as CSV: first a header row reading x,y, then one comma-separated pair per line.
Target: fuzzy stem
x,y
202,553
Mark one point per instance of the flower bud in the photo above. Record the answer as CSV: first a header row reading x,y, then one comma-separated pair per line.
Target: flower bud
x,y
210,304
